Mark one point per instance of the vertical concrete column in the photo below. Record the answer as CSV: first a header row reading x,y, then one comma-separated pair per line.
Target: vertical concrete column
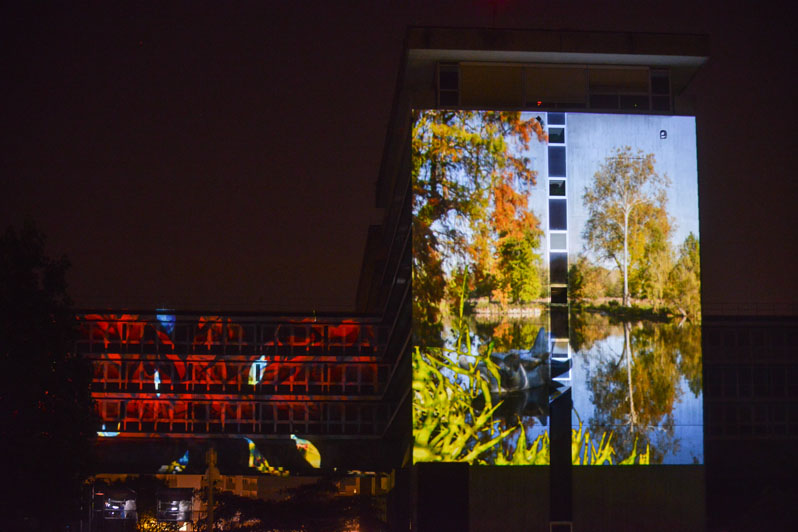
x,y
561,493
441,496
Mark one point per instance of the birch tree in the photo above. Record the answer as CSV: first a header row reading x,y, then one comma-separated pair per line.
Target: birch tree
x,y
626,203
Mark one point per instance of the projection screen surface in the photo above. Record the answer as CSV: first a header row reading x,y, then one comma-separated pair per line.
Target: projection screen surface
x,y
554,252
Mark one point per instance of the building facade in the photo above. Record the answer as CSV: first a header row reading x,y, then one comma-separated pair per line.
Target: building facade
x,y
172,383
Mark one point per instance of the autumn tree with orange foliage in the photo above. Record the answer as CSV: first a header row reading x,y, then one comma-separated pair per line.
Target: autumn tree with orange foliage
x,y
470,181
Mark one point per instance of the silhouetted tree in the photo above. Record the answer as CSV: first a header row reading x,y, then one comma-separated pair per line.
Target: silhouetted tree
x,y
314,507
46,413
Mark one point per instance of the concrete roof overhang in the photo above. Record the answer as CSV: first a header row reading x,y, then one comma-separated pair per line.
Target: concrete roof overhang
x,y
683,53
555,46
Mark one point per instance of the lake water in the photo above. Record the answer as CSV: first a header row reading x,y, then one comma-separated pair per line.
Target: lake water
x,y
639,382
647,388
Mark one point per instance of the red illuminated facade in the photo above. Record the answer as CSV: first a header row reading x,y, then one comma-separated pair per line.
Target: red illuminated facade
x,y
200,376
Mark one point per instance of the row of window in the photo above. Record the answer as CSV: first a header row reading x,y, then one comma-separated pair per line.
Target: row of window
x,y
762,419
497,85
154,348
229,338
743,340
558,253
558,211
752,381
247,484
238,377
147,416
114,410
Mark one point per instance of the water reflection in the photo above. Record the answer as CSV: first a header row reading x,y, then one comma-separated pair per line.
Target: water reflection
x,y
642,382
521,383
518,383
636,385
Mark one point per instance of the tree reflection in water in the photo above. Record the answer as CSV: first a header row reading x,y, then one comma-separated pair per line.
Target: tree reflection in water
x,y
634,391
639,380
508,334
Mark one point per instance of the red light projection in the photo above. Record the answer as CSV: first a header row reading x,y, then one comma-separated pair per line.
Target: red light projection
x,y
178,375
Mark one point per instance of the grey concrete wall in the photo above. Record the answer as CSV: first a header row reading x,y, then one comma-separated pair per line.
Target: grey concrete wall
x,y
508,498
647,498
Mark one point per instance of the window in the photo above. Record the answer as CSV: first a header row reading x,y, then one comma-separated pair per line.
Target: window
x,y
448,85
557,161
556,187
558,241
559,268
556,135
557,214
559,295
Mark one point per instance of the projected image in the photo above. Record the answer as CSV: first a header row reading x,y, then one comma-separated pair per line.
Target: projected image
x,y
634,284
521,217
159,374
480,363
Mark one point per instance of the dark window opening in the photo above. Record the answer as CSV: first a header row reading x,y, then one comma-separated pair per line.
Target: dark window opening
x,y
557,135
634,102
660,82
557,214
558,268
559,295
604,101
557,161
556,188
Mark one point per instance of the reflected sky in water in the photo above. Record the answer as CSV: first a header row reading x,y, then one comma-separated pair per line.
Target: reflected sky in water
x,y
670,414
665,377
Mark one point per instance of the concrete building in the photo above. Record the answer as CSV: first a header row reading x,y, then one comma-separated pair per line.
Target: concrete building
x,y
187,381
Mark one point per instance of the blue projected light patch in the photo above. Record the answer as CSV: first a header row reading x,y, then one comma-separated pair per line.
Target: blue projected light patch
x,y
106,433
167,321
176,466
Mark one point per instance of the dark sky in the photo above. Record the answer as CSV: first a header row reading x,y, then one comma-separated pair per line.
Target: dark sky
x,y
225,157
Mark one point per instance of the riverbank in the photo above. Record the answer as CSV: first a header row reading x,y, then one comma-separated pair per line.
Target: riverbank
x,y
483,309
635,311
638,310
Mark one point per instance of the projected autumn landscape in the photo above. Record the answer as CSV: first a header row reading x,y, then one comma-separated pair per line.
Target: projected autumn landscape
x,y
488,257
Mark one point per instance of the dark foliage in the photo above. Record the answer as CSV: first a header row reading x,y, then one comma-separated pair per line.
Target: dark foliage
x,y
47,420
314,507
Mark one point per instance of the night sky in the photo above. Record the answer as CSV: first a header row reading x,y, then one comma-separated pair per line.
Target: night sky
x,y
225,157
